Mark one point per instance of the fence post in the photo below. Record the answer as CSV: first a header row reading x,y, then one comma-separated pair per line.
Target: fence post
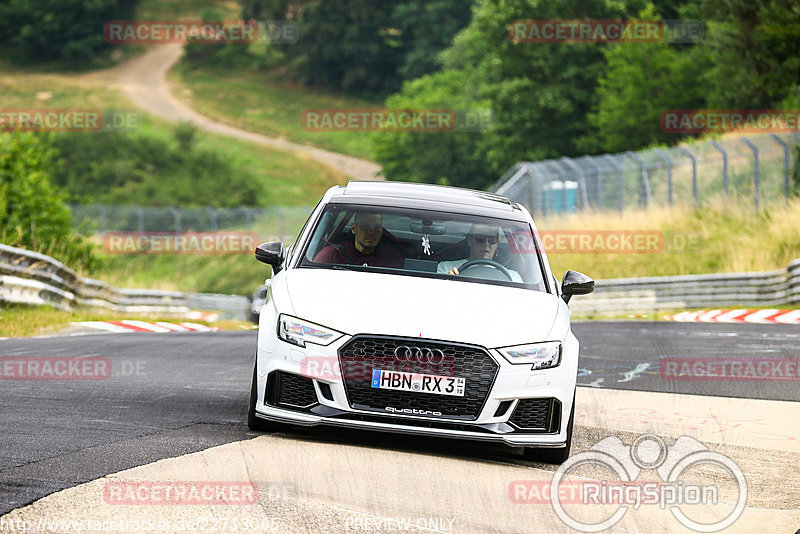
x,y
724,168
644,186
785,147
535,168
668,161
176,214
756,176
140,216
248,217
599,173
694,174
281,222
103,223
620,180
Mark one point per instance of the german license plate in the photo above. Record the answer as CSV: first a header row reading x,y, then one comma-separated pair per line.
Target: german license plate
x,y
417,382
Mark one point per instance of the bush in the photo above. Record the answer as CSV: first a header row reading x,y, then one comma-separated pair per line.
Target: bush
x,y
33,214
143,169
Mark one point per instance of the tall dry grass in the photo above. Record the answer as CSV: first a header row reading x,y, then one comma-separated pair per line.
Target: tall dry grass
x,y
718,237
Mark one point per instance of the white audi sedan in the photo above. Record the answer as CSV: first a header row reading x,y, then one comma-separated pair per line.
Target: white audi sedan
x,y
419,309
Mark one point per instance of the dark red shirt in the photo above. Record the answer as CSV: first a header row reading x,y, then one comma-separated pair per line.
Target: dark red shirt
x,y
346,253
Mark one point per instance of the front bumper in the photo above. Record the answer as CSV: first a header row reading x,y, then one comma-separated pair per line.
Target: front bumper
x,y
320,366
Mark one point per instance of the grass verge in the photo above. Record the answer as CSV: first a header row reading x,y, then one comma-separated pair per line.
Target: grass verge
x,y
283,178
264,103
23,321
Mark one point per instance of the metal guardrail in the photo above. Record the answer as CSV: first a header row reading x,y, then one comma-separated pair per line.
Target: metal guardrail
x,y
651,295
31,278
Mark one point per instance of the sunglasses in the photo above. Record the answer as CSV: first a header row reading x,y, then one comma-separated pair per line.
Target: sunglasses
x,y
481,239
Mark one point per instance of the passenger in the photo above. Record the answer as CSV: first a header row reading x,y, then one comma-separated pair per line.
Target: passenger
x,y
366,249
482,241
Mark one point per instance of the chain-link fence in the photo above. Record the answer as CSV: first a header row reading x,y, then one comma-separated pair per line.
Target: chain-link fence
x,y
757,169
273,223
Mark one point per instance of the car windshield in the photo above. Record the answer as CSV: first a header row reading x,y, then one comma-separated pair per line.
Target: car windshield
x,y
424,243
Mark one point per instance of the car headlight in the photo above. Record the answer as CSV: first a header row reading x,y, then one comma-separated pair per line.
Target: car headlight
x,y
299,332
541,355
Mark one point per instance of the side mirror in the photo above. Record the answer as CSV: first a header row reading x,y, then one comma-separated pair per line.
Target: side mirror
x,y
575,283
272,253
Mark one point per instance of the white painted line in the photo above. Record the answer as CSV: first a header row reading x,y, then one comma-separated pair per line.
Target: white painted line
x,y
101,325
709,316
759,316
197,327
172,327
147,326
731,316
790,317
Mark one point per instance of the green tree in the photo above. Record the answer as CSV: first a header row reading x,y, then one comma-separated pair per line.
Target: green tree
x,y
541,93
70,30
33,213
363,47
642,81
449,158
426,28
755,46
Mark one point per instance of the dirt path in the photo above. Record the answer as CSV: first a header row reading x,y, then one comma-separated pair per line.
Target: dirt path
x,y
143,81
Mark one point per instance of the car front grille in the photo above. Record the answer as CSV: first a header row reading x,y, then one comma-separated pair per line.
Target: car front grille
x,y
291,391
537,414
363,353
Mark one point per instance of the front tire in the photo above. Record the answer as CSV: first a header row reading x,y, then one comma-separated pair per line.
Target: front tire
x,y
553,456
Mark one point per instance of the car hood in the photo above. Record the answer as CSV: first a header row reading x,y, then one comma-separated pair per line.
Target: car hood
x,y
373,303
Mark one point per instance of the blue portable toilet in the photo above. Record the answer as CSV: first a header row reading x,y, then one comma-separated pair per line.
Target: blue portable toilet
x,y
560,196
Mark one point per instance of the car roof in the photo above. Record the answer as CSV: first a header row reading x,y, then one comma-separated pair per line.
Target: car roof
x,y
427,196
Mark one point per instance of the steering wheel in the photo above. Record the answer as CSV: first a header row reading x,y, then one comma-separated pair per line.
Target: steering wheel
x,y
499,266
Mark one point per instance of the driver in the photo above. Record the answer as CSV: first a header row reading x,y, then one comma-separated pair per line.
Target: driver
x,y
366,249
482,241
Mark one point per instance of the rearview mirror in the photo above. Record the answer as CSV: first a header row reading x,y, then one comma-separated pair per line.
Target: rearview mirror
x,y
427,227
272,253
575,283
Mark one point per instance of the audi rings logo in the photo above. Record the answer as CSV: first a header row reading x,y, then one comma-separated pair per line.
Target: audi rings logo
x,y
419,354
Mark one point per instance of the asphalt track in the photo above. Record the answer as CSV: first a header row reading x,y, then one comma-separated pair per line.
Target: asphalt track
x,y
174,394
